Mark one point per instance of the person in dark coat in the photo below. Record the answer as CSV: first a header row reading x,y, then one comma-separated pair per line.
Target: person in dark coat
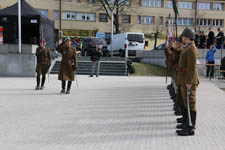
x,y
197,38
220,39
68,64
202,43
43,64
95,57
211,37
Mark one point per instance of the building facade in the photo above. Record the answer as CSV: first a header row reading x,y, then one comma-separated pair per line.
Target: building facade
x,y
85,17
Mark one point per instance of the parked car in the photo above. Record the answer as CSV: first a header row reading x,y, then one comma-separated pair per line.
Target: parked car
x,y
133,41
160,47
90,43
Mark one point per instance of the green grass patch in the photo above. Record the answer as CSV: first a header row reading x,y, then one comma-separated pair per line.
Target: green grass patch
x,y
223,89
148,70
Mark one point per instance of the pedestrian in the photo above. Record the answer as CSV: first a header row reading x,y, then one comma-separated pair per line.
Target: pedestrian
x,y
197,39
188,80
210,59
68,64
95,58
202,43
220,39
211,37
43,64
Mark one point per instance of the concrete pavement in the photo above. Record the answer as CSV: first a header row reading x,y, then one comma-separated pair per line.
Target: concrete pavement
x,y
106,113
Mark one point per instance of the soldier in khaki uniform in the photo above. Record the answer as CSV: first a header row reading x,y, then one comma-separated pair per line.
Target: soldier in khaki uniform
x,y
188,79
68,64
175,60
43,64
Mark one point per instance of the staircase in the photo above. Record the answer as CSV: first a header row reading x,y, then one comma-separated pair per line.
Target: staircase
x,y
108,66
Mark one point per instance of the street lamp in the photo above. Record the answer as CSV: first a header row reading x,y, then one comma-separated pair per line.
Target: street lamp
x,y
19,26
112,25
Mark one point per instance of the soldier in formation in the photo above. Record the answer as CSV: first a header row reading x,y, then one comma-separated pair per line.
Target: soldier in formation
x,y
185,81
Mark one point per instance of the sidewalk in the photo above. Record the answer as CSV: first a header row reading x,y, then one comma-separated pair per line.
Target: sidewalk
x,y
106,113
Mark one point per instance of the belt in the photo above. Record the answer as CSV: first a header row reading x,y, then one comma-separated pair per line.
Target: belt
x,y
181,69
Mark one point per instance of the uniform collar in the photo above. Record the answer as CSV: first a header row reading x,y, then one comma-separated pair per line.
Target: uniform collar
x,y
187,45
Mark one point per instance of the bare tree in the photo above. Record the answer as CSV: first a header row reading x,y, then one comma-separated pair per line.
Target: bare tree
x,y
157,31
118,6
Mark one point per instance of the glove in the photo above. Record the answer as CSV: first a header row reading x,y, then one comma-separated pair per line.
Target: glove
x,y
74,67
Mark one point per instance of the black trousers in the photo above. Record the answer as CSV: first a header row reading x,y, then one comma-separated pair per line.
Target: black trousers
x,y
210,69
68,85
39,79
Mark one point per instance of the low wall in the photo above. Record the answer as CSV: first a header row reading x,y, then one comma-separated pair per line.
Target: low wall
x,y
157,57
13,64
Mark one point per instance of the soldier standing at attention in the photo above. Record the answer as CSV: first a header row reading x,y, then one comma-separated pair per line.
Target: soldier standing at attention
x,y
188,79
68,64
43,64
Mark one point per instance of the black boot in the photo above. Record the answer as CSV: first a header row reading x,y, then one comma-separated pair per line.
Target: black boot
x,y
193,119
42,82
68,87
186,132
38,82
63,87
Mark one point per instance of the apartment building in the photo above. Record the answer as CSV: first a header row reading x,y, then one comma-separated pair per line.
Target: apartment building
x,y
85,17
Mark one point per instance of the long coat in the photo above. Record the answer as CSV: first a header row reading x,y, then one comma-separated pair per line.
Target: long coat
x,y
188,71
68,63
43,60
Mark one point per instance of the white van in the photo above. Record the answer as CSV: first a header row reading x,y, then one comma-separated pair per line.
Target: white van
x,y
133,41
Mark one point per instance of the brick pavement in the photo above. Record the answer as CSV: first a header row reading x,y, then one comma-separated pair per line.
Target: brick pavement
x,y
106,113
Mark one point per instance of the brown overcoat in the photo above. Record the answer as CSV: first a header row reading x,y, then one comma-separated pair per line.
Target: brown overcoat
x,y
188,71
43,60
68,63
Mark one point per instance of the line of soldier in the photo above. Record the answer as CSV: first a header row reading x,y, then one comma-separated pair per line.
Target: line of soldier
x,y
181,61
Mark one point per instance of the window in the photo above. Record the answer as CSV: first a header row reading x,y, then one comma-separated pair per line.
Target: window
x,y
185,5
138,19
185,21
125,2
218,6
66,15
103,18
86,16
147,19
56,14
126,18
43,12
152,3
169,4
204,6
91,1
67,0
78,16
79,1
203,22
161,20
218,22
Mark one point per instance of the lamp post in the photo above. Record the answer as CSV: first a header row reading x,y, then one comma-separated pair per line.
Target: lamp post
x,y
112,20
19,27
60,19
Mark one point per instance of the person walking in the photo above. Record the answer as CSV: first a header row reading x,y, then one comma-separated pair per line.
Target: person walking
x,y
211,37
43,64
68,64
210,59
220,39
188,80
95,58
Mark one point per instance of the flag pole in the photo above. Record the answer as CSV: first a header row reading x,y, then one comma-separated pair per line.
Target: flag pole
x,y
19,27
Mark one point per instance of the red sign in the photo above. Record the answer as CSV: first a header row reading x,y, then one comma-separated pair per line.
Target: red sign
x,y
1,35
